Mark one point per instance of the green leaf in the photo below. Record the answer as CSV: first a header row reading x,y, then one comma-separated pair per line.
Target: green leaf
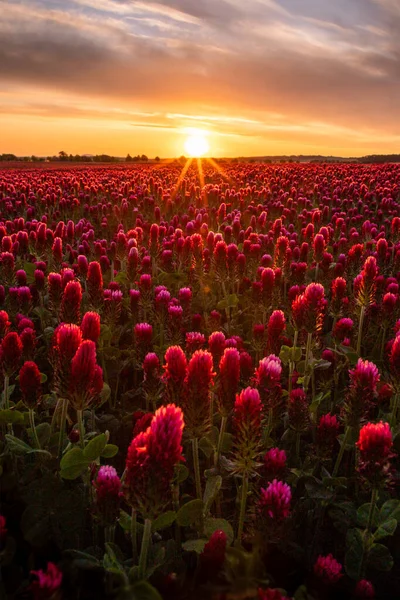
x,y
390,509
43,431
11,416
317,490
143,590
213,524
296,354
213,486
190,513
110,450
84,560
363,514
285,354
73,464
105,393
125,520
380,558
17,446
354,553
95,447
43,377
111,563
385,529
194,545
181,473
206,446
163,521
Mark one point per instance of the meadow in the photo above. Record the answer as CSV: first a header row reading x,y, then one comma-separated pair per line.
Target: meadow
x,y
200,381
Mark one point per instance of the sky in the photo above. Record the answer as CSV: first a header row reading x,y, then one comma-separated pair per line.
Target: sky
x,y
261,77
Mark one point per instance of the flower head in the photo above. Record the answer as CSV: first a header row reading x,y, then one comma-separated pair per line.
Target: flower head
x,y
47,582
30,384
247,429
364,590
151,459
196,400
271,594
90,326
86,376
213,556
95,283
229,370
327,432
11,352
274,463
274,502
71,302
328,569
108,492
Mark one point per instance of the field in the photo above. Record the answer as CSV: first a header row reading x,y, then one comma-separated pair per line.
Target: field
x,y
200,375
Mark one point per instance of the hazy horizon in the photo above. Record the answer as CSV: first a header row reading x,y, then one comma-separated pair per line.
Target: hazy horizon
x,y
271,77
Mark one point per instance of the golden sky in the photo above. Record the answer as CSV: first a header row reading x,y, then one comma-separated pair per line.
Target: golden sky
x,y
261,77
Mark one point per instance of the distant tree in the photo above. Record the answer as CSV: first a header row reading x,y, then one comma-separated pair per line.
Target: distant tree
x,y
144,158
157,159
128,158
62,155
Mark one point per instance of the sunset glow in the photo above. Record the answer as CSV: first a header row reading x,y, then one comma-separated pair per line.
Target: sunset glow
x,y
264,77
196,145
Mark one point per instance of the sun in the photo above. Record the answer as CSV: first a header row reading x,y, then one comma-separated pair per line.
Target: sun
x,y
196,144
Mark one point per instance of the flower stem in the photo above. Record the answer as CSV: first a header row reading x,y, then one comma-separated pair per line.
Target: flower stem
x,y
64,409
134,535
341,451
81,427
6,399
196,465
298,435
393,416
221,436
33,428
360,328
144,549
109,534
367,536
243,502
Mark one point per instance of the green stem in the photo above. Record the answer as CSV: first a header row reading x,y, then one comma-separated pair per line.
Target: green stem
x,y
196,465
298,435
109,534
220,438
360,328
6,399
382,349
341,451
368,529
243,502
393,415
81,428
33,428
64,409
307,358
134,535
308,348
144,549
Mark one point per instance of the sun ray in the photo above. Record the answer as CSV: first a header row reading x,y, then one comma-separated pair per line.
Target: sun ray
x,y
201,174
181,177
219,169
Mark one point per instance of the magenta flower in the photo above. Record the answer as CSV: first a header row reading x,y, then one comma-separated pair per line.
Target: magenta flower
x,y
328,569
274,502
